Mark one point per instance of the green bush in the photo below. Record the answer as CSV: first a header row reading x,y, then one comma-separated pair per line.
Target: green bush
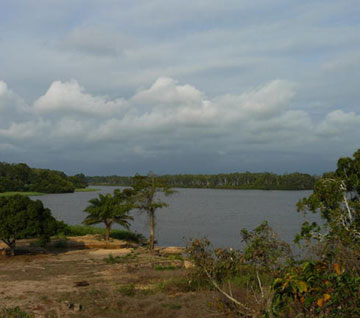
x,y
316,289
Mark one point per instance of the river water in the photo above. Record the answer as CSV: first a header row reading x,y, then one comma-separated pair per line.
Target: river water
x,y
193,213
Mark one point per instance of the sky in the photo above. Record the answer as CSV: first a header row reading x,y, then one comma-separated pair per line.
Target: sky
x,y
108,87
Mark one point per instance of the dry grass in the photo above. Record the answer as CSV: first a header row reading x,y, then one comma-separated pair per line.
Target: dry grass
x,y
42,284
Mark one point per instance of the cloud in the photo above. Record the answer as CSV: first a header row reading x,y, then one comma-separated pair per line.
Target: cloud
x,y
9,101
338,122
168,120
71,97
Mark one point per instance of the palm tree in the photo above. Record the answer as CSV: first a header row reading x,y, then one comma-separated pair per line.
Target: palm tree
x,y
110,209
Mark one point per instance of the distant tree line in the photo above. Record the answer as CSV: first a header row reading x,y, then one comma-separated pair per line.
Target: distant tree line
x,y
20,177
245,180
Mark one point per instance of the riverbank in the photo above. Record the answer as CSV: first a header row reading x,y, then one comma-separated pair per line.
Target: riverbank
x,y
36,194
32,194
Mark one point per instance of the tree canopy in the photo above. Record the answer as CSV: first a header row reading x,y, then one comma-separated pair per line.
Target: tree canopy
x,y
244,180
20,177
336,198
23,218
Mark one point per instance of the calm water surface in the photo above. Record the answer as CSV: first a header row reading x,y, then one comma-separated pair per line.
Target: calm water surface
x,y
193,213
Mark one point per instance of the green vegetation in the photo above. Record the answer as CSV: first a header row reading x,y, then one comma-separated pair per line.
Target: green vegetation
x,y
14,312
29,194
145,190
172,306
23,218
120,259
128,290
265,280
110,209
80,230
21,178
246,180
164,268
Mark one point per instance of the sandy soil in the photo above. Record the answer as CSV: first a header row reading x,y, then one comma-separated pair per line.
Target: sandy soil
x,y
112,282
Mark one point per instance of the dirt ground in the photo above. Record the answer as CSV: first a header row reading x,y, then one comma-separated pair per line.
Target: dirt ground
x,y
97,282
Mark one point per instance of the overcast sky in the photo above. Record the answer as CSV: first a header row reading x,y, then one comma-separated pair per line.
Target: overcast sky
x,y
206,86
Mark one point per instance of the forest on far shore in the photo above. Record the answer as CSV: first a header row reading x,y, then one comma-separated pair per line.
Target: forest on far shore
x,y
245,180
21,178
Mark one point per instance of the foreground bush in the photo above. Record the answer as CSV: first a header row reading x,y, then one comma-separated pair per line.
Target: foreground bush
x,y
316,289
327,286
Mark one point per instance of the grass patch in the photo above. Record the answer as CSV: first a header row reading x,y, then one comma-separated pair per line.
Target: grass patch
x,y
62,243
86,190
175,257
120,259
164,268
172,306
247,276
81,230
127,290
181,284
14,312
8,194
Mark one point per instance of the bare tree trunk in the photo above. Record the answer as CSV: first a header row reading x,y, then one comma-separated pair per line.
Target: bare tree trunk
x,y
152,231
12,249
107,231
12,245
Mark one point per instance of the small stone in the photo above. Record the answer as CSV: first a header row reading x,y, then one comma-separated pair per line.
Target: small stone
x,y
77,307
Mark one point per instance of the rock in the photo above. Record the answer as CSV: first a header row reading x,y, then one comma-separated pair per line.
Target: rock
x,y
77,307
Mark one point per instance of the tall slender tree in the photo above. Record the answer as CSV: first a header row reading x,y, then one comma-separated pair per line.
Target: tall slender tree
x,y
147,189
110,209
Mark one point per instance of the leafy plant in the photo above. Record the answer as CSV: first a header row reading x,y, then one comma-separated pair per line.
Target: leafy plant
x,y
316,289
264,247
336,198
